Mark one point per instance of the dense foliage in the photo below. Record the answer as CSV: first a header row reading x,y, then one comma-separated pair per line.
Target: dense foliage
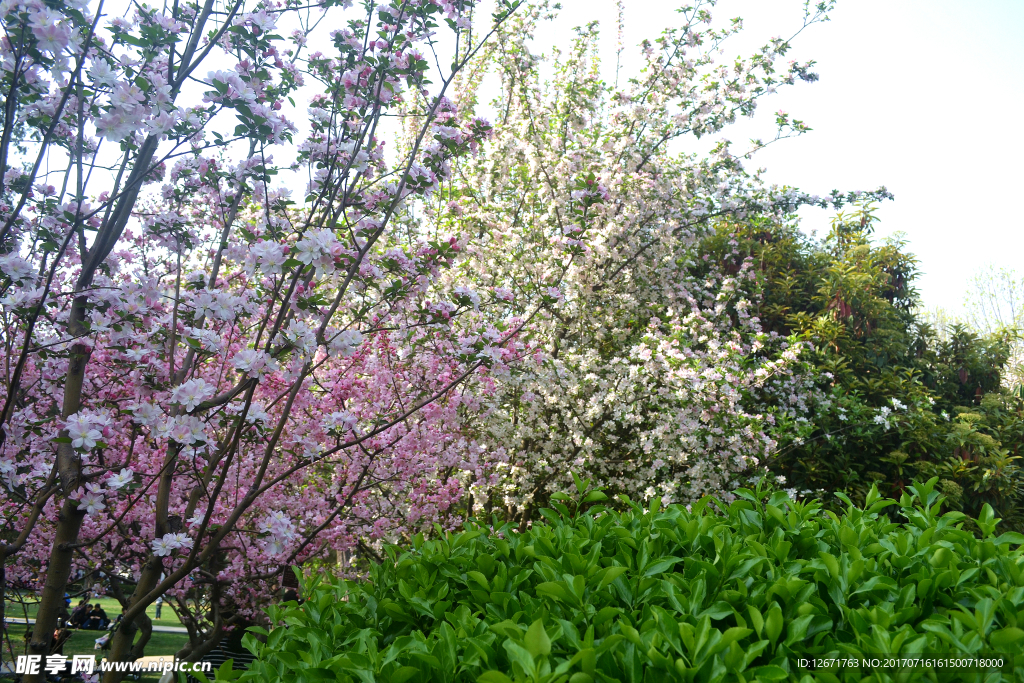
x,y
894,400
716,592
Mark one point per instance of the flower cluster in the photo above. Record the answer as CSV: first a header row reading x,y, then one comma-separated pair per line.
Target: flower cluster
x,y
179,326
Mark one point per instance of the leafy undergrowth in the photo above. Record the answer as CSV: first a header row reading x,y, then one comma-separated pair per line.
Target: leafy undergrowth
x,y
741,592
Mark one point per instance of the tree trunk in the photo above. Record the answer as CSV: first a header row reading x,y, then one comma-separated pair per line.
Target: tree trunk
x,y
121,642
69,463
69,521
57,574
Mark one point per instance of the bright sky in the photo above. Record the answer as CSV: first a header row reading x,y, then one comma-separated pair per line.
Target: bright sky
x,y
922,96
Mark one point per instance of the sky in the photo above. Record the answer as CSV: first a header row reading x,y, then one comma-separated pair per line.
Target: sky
x,y
924,97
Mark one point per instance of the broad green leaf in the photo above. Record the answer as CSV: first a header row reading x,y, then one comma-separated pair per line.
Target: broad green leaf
x,y
770,672
537,640
403,674
1006,636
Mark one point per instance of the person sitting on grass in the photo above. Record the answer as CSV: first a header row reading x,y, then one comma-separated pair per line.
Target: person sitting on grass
x,y
80,614
97,619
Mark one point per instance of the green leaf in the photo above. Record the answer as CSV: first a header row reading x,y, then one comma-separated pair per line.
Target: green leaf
x,y
831,563
609,574
773,624
493,677
605,615
537,640
756,620
1005,636
520,655
555,590
661,566
403,674
1009,538
464,538
770,673
479,578
632,635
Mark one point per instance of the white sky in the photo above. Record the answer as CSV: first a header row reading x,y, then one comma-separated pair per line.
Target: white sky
x,y
922,96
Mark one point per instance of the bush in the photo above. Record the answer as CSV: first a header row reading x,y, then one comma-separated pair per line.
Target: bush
x,y
712,593
897,401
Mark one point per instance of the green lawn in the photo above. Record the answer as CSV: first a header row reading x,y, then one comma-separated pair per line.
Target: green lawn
x,y
84,642
14,609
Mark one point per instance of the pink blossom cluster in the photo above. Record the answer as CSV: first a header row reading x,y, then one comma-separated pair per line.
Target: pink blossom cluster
x,y
208,381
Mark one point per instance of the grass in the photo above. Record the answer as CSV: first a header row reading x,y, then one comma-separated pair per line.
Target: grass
x,y
84,642
16,610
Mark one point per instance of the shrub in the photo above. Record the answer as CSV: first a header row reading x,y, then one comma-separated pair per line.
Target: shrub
x,y
897,401
712,593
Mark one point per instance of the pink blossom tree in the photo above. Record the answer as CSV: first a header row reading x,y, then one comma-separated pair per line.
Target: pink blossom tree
x,y
207,381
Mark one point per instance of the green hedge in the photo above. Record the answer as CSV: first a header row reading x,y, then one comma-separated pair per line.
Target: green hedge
x,y
738,592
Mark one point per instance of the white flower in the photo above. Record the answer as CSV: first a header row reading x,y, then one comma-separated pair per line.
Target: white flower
x,y
318,248
102,74
91,502
185,429
346,343
281,530
263,21
257,413
301,336
207,339
82,432
161,547
124,478
21,298
269,255
897,404
464,296
342,421
253,363
16,268
51,33
178,540
490,353
145,413
191,393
